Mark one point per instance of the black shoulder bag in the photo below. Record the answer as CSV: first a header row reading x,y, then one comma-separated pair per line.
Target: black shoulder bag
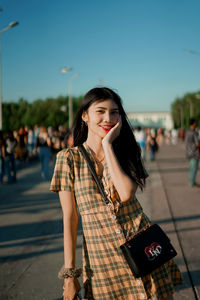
x,y
149,249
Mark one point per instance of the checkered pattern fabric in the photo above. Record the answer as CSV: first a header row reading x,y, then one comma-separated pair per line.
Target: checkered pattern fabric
x,y
106,274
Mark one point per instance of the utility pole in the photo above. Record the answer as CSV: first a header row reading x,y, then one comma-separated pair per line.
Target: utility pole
x,y
12,24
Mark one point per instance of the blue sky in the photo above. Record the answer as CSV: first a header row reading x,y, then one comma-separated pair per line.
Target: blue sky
x,y
135,47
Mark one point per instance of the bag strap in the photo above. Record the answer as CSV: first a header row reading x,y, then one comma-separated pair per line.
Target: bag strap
x,y
94,174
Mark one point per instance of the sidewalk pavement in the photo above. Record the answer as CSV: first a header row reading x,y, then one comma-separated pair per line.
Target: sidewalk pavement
x,y
169,201
31,248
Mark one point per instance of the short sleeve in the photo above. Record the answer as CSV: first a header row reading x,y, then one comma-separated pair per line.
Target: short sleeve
x,y
63,176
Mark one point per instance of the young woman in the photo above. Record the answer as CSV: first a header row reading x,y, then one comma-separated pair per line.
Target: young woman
x,y
101,126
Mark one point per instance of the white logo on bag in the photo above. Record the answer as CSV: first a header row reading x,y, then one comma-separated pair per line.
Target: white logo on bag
x,y
153,251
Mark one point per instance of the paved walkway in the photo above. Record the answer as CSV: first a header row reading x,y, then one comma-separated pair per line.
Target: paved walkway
x,y
169,201
31,250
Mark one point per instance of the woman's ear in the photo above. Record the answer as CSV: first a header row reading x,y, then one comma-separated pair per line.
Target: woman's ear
x,y
85,116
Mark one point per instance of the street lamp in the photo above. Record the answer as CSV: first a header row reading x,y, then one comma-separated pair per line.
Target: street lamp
x,y
12,24
63,71
70,104
70,99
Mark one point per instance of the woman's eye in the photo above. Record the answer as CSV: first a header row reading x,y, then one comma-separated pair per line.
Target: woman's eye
x,y
115,113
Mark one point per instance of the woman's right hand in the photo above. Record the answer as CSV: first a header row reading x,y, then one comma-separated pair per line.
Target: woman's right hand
x,y
71,288
113,133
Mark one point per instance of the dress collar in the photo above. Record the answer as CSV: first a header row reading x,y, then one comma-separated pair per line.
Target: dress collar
x,y
105,169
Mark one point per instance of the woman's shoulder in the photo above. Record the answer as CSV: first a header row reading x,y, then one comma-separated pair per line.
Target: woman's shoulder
x,y
68,153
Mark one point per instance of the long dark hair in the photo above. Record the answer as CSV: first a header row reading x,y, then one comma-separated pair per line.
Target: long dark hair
x,y
125,146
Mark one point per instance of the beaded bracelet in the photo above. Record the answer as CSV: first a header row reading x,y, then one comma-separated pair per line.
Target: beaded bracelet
x,y
69,272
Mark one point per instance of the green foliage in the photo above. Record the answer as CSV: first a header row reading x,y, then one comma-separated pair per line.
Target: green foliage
x,y
48,112
184,108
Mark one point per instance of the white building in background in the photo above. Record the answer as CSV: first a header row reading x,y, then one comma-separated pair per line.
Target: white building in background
x,y
151,119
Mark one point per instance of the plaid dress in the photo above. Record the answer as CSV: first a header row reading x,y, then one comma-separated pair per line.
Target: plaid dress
x,y
106,274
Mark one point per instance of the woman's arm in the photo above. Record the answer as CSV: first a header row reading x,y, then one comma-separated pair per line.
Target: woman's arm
x,y
70,226
124,185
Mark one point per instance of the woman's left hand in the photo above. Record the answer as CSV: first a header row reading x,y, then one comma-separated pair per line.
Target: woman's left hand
x,y
113,133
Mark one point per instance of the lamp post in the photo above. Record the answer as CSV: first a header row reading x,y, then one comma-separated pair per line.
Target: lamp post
x,y
12,24
70,99
63,71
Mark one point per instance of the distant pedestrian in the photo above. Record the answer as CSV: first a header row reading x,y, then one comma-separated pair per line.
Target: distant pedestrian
x,y
44,146
56,142
168,137
160,137
101,126
174,137
140,137
21,149
68,139
30,142
152,145
182,134
10,163
36,130
192,141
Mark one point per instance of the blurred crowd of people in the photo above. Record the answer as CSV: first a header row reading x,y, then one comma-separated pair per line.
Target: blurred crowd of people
x,y
151,140
25,144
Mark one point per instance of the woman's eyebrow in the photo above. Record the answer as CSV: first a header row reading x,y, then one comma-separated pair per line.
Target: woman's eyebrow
x,y
102,107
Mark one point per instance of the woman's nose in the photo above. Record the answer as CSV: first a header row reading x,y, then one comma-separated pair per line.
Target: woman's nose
x,y
107,117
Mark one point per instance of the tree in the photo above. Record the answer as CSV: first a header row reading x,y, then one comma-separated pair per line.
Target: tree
x,y
49,112
184,108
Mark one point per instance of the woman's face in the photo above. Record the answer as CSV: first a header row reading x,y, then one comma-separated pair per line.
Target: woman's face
x,y
100,117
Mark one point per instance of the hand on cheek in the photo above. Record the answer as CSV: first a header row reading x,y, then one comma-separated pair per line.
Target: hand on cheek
x,y
113,133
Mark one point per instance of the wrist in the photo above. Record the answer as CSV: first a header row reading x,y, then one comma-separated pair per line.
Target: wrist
x,y
70,265
69,273
106,145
